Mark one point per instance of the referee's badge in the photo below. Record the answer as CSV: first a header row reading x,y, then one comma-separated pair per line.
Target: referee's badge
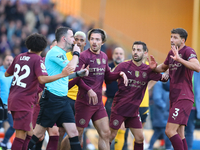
x,y
137,73
98,61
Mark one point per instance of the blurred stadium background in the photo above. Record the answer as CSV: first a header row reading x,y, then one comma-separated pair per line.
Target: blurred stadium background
x,y
125,21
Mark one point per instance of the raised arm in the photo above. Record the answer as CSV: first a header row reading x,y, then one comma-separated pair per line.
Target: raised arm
x,y
153,65
113,76
46,79
192,64
81,73
73,63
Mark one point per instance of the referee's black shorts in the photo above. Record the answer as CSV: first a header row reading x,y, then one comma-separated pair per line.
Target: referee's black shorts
x,y
54,109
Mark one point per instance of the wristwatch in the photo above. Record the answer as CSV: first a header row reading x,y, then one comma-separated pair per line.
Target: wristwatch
x,y
76,53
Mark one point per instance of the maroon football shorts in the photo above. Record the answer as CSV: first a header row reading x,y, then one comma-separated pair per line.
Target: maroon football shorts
x,y
83,113
179,111
22,120
130,122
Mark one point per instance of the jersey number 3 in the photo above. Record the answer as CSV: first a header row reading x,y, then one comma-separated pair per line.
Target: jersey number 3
x,y
17,79
176,113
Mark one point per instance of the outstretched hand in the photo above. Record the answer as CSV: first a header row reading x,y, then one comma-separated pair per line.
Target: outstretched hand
x,y
165,77
176,56
152,62
67,71
76,48
123,75
92,97
84,71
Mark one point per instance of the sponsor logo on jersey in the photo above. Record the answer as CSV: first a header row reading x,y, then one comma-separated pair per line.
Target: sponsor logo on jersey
x,y
136,83
82,121
97,69
175,66
98,61
137,73
115,122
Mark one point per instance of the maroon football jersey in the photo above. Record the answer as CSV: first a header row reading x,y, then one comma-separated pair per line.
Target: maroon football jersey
x,y
128,98
98,71
180,76
26,68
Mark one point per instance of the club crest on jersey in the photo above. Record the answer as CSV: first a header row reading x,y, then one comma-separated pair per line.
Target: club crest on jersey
x,y
144,74
98,61
103,61
137,73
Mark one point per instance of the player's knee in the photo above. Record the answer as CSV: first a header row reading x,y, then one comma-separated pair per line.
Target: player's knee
x,y
105,134
181,134
61,132
139,138
41,138
73,133
38,135
112,136
54,133
80,131
169,132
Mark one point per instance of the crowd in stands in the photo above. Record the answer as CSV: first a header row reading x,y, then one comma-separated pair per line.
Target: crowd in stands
x,y
18,19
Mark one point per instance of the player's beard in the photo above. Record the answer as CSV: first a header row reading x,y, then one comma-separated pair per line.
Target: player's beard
x,y
69,46
138,58
95,49
176,45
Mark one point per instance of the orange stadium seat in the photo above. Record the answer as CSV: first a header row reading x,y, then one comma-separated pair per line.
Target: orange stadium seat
x,y
11,139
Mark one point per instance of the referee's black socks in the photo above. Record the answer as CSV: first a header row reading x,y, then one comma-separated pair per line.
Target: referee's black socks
x,y
74,143
32,142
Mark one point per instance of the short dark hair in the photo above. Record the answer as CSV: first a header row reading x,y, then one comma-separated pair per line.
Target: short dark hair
x,y
61,31
182,32
36,42
102,32
141,43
